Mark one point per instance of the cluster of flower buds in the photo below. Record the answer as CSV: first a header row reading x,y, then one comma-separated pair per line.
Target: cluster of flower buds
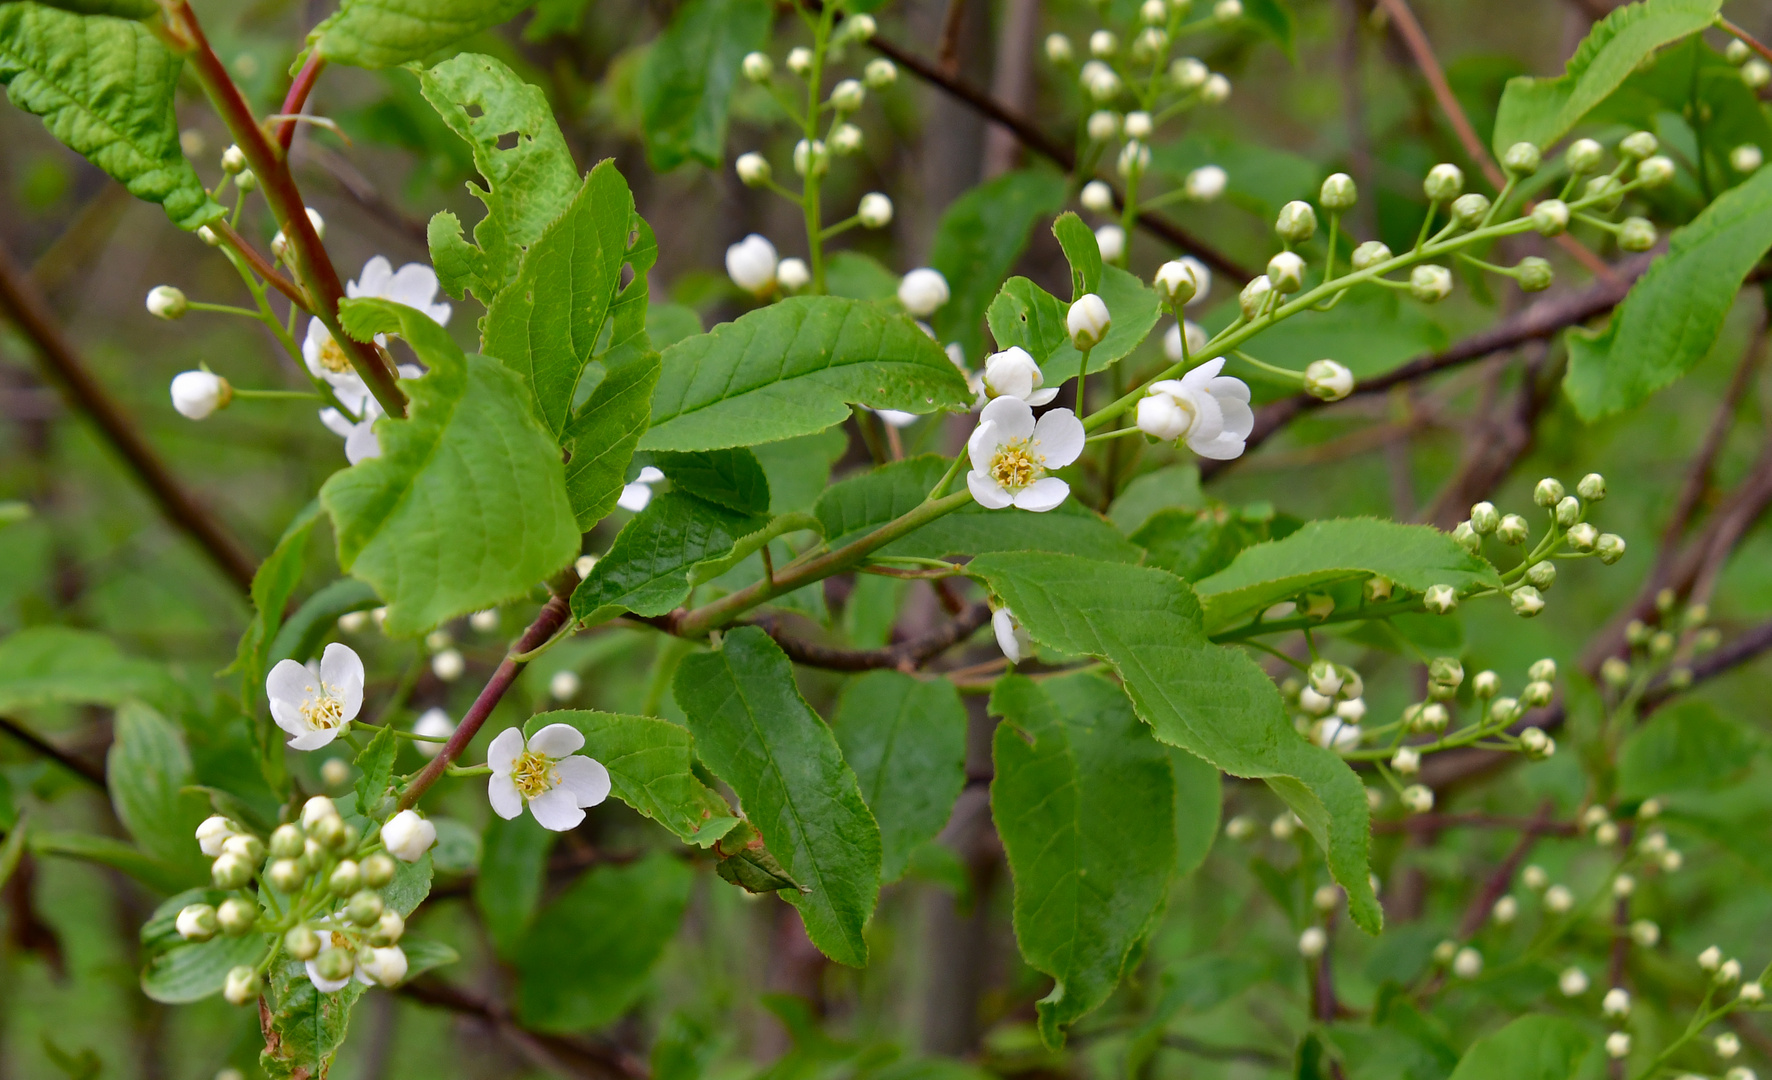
x,y
331,913
1493,718
1527,582
1330,704
1666,645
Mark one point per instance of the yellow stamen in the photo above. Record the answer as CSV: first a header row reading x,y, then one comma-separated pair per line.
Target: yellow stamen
x,y
333,358
323,711
1015,466
534,773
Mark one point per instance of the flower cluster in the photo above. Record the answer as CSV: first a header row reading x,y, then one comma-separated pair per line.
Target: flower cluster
x,y
1567,528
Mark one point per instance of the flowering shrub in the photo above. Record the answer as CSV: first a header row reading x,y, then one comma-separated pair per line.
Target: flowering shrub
x,y
650,593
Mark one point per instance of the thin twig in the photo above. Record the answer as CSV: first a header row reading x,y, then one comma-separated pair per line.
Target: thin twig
x,y
262,266
86,770
1746,38
904,656
1484,902
580,1056
25,305
297,100
947,51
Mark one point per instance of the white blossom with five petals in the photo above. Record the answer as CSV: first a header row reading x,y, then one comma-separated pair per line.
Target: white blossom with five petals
x,y
314,705
547,773
1209,410
1011,455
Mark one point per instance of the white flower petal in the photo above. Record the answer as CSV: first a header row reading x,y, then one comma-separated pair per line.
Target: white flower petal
x,y
313,740
341,669
1224,448
1226,387
362,445
414,285
337,423
1042,495
557,809
1042,397
1205,373
502,754
586,778
506,800
1013,417
1208,417
649,474
374,278
634,497
982,445
323,984
290,682
557,740
1058,438
1239,419
987,491
1003,625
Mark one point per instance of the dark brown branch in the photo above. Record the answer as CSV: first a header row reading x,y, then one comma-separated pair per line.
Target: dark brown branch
x,y
26,307
1497,444
1747,646
947,52
85,770
579,1056
904,656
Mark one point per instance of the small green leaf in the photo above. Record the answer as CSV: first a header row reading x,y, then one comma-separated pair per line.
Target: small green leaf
x,y
794,368
1084,800
376,766
1688,746
651,765
147,770
176,971
1671,318
799,469
1169,486
1541,111
530,183
860,277
1212,701
1026,315
1531,1048
105,87
1413,556
686,79
905,739
731,478
647,569
466,507
303,632
388,33
1195,544
107,851
589,954
46,665
424,954
753,729
1274,19
513,865
304,1028
272,587
1199,801
980,236
545,326
1081,250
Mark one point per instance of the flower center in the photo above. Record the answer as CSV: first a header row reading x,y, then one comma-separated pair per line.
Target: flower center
x,y
1016,466
333,358
323,712
534,774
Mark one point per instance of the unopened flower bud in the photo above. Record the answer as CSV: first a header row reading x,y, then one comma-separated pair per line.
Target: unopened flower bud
x,y
408,836
1241,827
881,73
1656,172
1512,530
1327,380
378,870
1583,536
1484,518
1645,933
1227,10
1370,254
1558,899
1592,487
1059,50
1188,73
208,236
1103,44
1103,125
1338,193
1440,599
1470,209
800,61
1606,834
230,871
874,211
1638,145
1526,601
346,878
1728,1044
196,922
1522,158
1429,283
1312,942
1548,492
753,169
811,158
1176,282
1604,192
1134,159
1636,234
247,180
1534,274
241,985
1468,964
1286,272
1752,993
302,943
1609,548
1746,158
1138,126
1088,321
858,28
1756,73
1216,91
1297,222
758,67
1097,197
1153,12
848,95
1618,1044
1533,740
1572,982
197,395
1254,298
1444,183
1551,217
1446,671
1584,156
388,929
1431,717
233,160
1737,52
167,302
923,291
1152,43
365,908
1406,761
1418,798
236,916
287,875
335,963
1205,183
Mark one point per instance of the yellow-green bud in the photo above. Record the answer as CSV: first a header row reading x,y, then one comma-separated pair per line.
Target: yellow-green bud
x,y
346,878
1338,194
1370,254
1551,217
1592,487
378,870
1440,599
1526,602
1636,234
1444,183
1429,283
1568,510
1512,530
236,916
1484,518
1638,145
287,842
1548,492
230,871
1523,158
1470,209
287,875
1584,156
335,963
1542,670
1445,671
302,943
1297,222
1541,575
365,908
1609,548
1656,172
1535,274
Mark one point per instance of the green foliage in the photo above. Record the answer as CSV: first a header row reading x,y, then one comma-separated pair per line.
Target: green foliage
x,y
466,507
176,971
147,770
388,33
590,951
304,1028
300,636
47,665
978,240
1413,556
1687,746
106,851
1084,801
1530,1048
513,866
272,586
648,569
375,771
122,9
905,739
1542,110
1199,801
1211,701
651,767
686,79
528,185
1176,486
1672,316
753,728
1026,315
105,87
1195,544
1081,250
733,478
794,368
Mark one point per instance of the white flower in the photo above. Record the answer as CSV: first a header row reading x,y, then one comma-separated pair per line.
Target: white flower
x,y
213,833
1335,733
1572,982
750,264
414,285
636,495
1013,373
1011,638
314,706
1111,239
196,394
1011,455
1196,341
547,773
1209,410
436,724
1088,319
1206,183
1185,280
923,292
793,274
894,417
167,302
408,836
1097,197
385,966
361,442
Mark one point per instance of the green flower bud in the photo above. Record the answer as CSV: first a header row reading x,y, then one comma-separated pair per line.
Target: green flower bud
x,y
196,922
1440,599
1370,254
1548,492
1615,672
335,963
1444,183
1582,537
378,870
880,73
1568,511
1338,194
1661,645
287,842
241,985
1484,518
1656,172
1513,530
1297,222
1486,684
1286,271
1535,273
1466,537
758,67
1327,380
1526,602
1059,50
1592,487
1636,234
1429,283
302,943
1756,73
365,908
287,875
236,916
1522,158
1445,671
1605,192
1542,670
1551,217
230,871
331,832
1505,710
388,929
346,878
1469,210
1609,548
1325,679
1584,156
1638,145
1737,52
1541,575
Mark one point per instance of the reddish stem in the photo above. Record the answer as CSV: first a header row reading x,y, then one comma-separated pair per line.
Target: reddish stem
x,y
298,96
262,267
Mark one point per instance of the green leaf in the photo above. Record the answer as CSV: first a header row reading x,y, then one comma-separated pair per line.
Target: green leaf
x,y
977,242
1340,549
466,507
545,326
122,9
388,33
651,765
305,1028
755,731
863,503
1671,318
529,184
46,665
1260,179
1688,746
376,768
1026,315
302,633
106,851
105,88
589,954
272,586
1542,110
686,79
147,769
1199,801
905,739
1274,19
1195,544
1169,486
647,569
859,277
794,368
731,478
1081,250
424,954
1084,800
176,971
799,469
513,865
1212,701
411,884
1531,1048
